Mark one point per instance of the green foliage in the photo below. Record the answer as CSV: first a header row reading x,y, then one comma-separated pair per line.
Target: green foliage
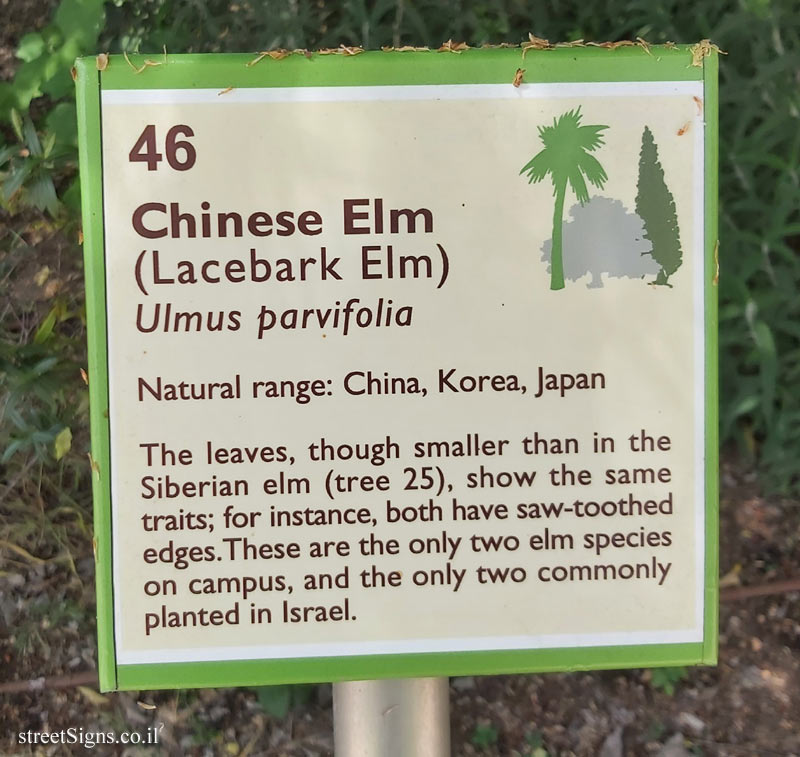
x,y
484,735
279,700
656,207
47,56
666,679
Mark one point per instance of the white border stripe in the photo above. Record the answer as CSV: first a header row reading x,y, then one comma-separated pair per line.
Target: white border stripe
x,y
699,257
403,646
400,93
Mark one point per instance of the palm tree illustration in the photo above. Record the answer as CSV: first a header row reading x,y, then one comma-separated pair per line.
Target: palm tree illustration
x,y
566,159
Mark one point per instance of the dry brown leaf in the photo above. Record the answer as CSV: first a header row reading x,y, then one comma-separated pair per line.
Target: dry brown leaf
x,y
518,77
257,59
684,128
225,91
573,43
644,44
73,72
93,464
42,275
147,63
145,705
102,61
702,50
612,45
404,49
95,698
715,280
453,47
52,288
346,50
535,43
731,578
85,377
699,103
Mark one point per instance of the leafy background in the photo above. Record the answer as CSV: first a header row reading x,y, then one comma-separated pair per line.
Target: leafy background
x,y
45,502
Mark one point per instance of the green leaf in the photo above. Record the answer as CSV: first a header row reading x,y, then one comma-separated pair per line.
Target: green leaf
x,y
14,182
275,700
62,443
768,364
8,152
42,193
80,19
48,144
46,328
72,196
31,46
665,679
484,735
30,137
63,122
16,123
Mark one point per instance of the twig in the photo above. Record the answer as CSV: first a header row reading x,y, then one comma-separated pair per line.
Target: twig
x,y
87,677
736,593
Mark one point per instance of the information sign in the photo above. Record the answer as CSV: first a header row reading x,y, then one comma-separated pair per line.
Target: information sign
x,y
402,363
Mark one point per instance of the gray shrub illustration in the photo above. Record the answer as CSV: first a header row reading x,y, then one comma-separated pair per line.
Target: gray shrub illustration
x,y
602,237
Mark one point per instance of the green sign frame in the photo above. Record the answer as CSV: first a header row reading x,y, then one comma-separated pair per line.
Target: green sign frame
x,y
339,68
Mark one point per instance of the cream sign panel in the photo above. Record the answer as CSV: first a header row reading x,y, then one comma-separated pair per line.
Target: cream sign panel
x,y
405,369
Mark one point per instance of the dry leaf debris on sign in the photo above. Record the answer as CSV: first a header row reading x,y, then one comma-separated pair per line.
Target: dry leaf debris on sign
x,y
684,128
102,61
535,43
612,45
572,43
147,63
702,50
404,49
274,54
93,464
453,47
518,77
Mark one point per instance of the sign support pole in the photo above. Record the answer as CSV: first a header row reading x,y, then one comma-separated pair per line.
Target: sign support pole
x,y
392,718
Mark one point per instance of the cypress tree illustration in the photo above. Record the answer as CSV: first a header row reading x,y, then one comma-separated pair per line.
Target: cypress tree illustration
x,y
655,205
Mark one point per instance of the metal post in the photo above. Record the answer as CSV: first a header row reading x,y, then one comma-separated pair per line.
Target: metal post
x,y
408,717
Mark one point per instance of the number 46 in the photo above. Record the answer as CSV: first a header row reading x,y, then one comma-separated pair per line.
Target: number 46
x,y
181,154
